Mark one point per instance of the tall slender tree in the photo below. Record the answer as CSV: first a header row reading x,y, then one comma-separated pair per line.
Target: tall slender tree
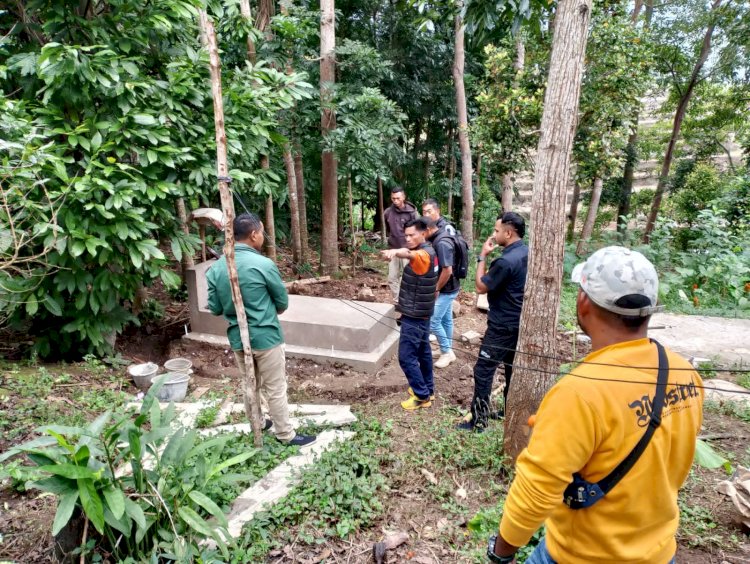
x,y
329,249
535,363
467,195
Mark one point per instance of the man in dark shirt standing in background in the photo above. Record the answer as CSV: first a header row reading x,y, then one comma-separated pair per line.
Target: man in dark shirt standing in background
x,y
504,284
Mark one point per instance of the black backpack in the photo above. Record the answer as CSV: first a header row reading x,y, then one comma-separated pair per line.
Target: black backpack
x,y
461,252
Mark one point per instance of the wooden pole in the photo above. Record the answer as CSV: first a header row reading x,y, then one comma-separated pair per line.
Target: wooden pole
x,y
252,408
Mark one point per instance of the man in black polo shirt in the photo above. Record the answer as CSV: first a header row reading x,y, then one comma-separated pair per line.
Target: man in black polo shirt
x,y
504,285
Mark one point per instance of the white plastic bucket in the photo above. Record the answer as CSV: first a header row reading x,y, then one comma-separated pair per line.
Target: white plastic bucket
x,y
181,365
142,374
175,387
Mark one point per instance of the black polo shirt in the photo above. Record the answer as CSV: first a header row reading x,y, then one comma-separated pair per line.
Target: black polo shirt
x,y
505,281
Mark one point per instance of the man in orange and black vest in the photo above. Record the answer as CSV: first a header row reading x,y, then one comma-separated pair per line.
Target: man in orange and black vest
x,y
416,301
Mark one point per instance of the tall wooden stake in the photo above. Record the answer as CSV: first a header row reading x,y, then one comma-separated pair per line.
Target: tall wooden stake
x,y
252,408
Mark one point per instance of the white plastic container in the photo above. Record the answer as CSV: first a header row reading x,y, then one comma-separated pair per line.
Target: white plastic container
x,y
142,374
181,365
175,387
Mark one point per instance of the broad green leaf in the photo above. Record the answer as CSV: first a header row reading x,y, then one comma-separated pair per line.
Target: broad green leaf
x,y
32,305
123,524
144,119
208,504
135,512
706,456
176,249
65,507
69,471
91,503
52,306
115,500
56,485
230,462
195,521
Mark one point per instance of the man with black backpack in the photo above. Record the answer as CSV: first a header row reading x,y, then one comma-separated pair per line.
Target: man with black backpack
x,y
612,441
451,254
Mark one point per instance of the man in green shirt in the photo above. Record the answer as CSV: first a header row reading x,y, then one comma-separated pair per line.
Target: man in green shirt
x,y
264,296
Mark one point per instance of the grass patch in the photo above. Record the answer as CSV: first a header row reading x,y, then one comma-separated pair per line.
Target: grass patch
x,y
728,408
337,496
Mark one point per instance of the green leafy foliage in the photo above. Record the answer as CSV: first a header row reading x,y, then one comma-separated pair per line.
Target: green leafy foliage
x,y
173,483
106,123
334,498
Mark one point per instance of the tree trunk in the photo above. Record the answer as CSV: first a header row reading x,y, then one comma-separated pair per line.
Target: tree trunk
x,y
573,213
452,179
507,197
479,171
381,210
270,223
679,116
187,258
588,225
518,64
302,202
291,182
535,370
252,407
467,197
350,197
631,150
245,12
329,251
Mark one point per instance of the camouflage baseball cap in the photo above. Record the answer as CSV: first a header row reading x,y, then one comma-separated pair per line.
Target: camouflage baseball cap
x,y
612,273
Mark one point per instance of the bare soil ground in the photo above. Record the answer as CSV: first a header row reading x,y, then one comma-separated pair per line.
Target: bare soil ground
x,y
427,512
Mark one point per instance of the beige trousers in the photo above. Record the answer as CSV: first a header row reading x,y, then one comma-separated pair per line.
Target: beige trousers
x,y
395,272
270,385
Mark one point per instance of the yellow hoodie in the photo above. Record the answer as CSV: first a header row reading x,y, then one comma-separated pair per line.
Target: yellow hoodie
x,y
589,426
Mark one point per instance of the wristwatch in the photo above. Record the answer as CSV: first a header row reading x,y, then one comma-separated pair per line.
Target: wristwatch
x,y
494,557
480,258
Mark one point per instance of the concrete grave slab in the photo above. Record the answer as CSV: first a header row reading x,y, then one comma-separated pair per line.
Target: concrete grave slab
x,y
279,481
725,339
362,335
721,390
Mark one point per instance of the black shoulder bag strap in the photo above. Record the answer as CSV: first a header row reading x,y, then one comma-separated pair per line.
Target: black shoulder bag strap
x,y
581,493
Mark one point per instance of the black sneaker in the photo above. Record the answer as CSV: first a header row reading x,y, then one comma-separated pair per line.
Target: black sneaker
x,y
499,414
302,440
469,426
267,424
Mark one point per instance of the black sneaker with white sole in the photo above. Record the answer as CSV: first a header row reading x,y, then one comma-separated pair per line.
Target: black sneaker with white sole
x,y
302,440
267,424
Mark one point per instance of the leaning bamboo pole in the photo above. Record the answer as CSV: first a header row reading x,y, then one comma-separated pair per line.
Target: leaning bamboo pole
x,y
252,407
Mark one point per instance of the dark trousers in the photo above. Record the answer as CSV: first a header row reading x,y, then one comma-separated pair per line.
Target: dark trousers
x,y
415,355
498,345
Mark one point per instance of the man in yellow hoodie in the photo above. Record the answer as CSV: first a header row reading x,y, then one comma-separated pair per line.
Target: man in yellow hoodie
x,y
590,422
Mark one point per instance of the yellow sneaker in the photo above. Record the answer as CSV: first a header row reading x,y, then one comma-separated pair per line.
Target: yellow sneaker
x,y
413,395
415,403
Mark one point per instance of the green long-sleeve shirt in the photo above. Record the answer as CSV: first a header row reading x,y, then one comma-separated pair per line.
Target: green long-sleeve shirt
x,y
263,294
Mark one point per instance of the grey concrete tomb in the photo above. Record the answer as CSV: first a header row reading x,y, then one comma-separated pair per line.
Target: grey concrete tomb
x,y
362,335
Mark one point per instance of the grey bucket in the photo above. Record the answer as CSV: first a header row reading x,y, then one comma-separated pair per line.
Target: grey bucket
x,y
181,365
174,388
142,374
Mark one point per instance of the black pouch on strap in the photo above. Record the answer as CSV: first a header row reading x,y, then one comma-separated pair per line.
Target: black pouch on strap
x,y
580,493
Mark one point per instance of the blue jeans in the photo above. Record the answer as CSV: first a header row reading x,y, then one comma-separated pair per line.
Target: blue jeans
x,y
415,355
542,556
441,322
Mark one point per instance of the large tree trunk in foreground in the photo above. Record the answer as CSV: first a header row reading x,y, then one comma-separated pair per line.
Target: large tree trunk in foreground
x,y
329,247
534,374
302,201
252,407
467,197
588,225
679,116
291,182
